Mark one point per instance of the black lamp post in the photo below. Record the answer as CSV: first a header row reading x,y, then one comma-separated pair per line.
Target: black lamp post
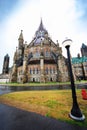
x,y
75,113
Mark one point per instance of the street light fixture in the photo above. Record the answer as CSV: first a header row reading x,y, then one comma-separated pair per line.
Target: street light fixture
x,y
75,113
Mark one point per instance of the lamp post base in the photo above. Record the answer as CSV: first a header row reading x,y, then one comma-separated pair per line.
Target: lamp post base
x,y
77,118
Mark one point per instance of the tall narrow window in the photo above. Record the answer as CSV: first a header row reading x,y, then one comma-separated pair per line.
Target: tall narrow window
x,y
30,71
54,70
50,71
37,71
46,70
34,71
37,54
47,54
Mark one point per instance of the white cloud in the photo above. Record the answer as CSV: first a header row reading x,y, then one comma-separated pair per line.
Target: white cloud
x,y
59,18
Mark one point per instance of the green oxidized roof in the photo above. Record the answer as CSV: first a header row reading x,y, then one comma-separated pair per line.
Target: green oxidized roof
x,y
77,60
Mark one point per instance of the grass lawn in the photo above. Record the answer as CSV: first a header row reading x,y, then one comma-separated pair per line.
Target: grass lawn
x,y
41,84
52,103
34,84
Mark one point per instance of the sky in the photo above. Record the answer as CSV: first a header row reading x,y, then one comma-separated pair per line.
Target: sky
x,y
62,18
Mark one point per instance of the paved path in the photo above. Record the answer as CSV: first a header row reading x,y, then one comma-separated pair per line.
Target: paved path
x,y
15,119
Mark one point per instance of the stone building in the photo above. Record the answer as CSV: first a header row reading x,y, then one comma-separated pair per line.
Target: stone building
x,y
80,64
39,61
80,67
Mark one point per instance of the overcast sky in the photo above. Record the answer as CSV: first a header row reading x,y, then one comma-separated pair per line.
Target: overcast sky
x,y
62,18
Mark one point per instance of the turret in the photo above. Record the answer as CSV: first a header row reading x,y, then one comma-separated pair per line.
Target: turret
x,y
20,50
21,40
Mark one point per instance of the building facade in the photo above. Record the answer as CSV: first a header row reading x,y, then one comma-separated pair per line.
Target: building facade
x,y
79,64
39,61
80,67
42,61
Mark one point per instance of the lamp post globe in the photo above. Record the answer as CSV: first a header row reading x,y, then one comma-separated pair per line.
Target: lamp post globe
x,y
75,113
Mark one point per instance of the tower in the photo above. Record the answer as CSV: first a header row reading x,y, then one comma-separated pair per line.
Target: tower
x,y
6,65
20,50
18,57
84,50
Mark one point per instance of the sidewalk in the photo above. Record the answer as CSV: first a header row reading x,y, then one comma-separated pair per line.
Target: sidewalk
x,y
15,119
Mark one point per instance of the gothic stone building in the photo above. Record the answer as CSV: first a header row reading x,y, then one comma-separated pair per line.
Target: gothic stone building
x,y
80,64
39,61
42,61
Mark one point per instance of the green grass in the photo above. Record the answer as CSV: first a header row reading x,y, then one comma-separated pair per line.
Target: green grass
x,y
56,104
41,84
34,84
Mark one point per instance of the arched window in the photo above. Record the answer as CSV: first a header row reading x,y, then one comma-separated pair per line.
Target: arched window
x,y
47,53
37,54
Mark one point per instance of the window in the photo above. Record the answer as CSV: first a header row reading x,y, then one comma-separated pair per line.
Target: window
x,y
47,54
30,71
34,71
37,71
37,54
46,70
54,70
50,71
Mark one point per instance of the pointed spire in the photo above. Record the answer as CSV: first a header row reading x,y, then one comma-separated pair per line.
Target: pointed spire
x,y
41,27
41,30
21,35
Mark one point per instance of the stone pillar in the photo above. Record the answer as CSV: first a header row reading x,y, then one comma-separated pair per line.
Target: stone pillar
x,y
42,76
14,74
59,75
24,79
